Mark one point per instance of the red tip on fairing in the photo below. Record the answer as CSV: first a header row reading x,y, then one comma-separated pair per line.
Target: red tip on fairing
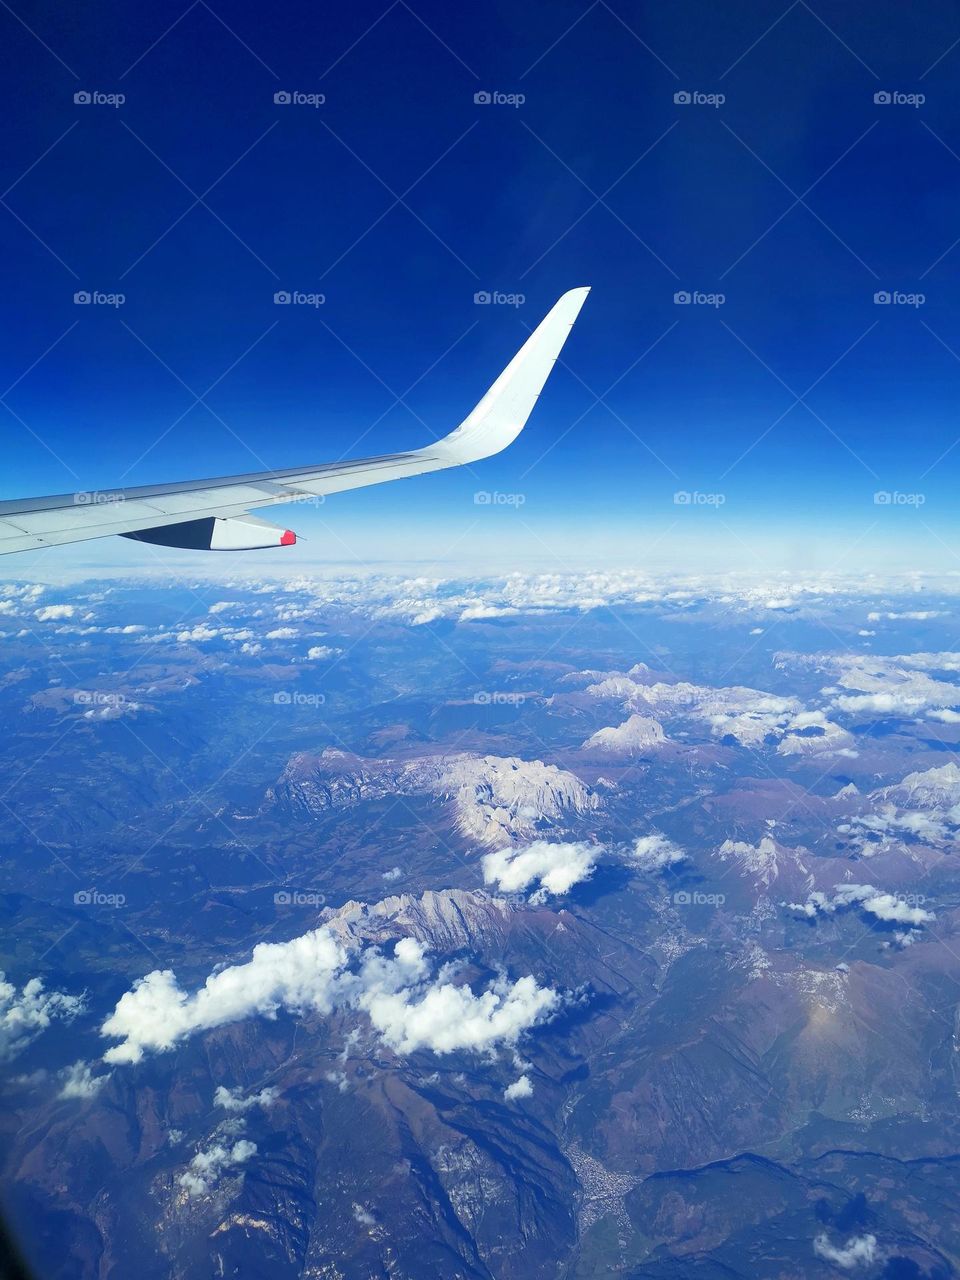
x,y
288,539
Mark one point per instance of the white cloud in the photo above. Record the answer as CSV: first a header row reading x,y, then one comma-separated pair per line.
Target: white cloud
x,y
412,1014
320,651
235,1100
222,606
80,1082
25,1015
206,1166
859,1251
156,1014
882,685
282,633
655,853
888,907
408,1007
521,1088
53,612
556,868
198,634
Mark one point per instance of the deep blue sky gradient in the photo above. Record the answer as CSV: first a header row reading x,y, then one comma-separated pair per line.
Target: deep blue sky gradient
x,y
500,198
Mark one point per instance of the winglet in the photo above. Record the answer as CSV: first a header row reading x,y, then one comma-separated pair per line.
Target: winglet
x,y
502,413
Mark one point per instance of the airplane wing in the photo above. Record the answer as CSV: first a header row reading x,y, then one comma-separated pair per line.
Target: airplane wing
x,y
214,514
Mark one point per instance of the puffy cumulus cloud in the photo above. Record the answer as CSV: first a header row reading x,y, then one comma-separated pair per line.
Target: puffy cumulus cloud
x,y
131,629
876,685
906,700
859,1251
156,1014
204,1170
556,868
889,907
21,591
235,1100
199,634
282,633
902,938
25,1014
945,716
318,652
78,1081
221,606
411,1013
521,1088
655,853
54,612
408,1007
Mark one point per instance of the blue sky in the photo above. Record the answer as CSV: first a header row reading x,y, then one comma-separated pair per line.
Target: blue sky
x,y
797,198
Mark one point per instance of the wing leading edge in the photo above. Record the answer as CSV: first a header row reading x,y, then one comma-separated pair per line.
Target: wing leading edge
x,y
213,514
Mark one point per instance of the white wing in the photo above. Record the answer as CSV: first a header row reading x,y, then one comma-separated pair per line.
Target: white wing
x,y
213,514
